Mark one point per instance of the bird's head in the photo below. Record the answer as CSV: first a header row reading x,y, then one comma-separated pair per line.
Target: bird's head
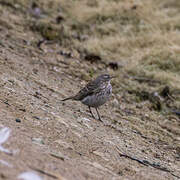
x,y
105,77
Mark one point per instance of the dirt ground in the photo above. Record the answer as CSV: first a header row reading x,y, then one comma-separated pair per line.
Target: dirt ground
x,y
60,140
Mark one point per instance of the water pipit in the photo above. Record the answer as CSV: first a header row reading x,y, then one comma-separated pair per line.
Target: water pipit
x,y
95,93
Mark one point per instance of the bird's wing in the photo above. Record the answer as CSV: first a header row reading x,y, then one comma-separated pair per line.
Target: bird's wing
x,y
90,88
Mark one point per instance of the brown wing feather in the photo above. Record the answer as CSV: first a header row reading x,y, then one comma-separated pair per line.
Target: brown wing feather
x,y
89,89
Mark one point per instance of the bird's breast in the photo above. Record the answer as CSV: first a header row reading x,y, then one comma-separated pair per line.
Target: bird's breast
x,y
99,98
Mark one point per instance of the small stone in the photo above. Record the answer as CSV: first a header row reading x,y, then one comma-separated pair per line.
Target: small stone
x,y
29,175
18,120
38,140
35,117
59,155
81,120
5,163
115,103
22,109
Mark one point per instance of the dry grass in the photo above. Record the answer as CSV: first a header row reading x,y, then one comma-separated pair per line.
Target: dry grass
x,y
143,36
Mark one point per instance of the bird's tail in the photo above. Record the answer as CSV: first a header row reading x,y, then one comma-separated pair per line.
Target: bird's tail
x,y
72,97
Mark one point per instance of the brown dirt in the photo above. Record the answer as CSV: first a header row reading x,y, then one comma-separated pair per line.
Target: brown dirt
x,y
72,144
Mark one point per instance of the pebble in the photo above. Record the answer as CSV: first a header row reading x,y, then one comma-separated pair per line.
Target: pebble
x,y
38,140
29,175
81,120
18,120
115,103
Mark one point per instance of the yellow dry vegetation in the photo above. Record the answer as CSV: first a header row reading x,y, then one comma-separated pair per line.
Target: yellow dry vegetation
x,y
142,35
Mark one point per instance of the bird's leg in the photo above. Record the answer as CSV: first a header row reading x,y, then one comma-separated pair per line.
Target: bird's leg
x,y
98,115
91,112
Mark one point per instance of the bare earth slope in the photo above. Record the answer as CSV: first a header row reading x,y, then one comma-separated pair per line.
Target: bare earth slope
x,y
138,139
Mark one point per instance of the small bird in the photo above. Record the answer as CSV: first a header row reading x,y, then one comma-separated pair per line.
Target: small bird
x,y
95,93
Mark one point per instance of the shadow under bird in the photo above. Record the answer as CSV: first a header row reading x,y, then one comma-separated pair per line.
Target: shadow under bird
x,y
95,93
